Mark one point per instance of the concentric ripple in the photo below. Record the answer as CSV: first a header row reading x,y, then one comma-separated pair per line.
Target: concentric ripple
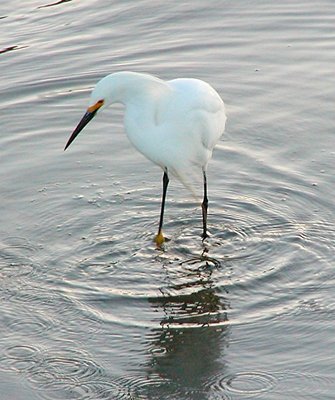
x,y
248,383
24,322
20,358
70,390
154,387
243,384
55,374
65,365
106,390
17,258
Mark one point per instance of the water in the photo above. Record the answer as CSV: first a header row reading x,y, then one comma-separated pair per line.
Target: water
x,y
89,308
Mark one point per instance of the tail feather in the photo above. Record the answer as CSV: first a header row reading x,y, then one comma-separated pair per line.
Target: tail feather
x,y
191,180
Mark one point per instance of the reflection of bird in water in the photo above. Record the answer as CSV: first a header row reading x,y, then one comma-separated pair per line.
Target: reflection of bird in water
x,y
187,349
175,124
190,298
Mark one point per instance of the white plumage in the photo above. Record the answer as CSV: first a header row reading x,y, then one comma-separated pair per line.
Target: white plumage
x,y
175,124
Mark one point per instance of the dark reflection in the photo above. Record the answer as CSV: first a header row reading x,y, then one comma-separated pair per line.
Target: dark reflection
x,y
55,4
188,348
10,48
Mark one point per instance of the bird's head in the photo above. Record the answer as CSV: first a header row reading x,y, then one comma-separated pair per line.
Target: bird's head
x,y
100,98
118,87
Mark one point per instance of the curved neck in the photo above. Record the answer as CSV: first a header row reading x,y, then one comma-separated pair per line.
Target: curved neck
x,y
132,87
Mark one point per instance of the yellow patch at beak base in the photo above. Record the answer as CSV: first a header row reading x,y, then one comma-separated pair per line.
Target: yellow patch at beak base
x,y
95,106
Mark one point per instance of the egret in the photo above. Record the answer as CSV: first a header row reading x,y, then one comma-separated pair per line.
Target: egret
x,y
175,124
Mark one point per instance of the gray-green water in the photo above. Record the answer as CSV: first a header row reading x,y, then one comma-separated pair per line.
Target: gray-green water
x,y
89,309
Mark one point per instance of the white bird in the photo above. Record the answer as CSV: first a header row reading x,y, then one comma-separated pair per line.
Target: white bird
x,y
175,124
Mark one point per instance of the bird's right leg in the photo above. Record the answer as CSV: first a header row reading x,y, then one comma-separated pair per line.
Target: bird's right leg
x,y
159,239
204,207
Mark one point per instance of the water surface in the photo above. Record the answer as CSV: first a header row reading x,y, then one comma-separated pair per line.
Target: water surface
x,y
89,308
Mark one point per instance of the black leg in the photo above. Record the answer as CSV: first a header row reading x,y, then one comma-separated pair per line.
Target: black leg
x,y
204,207
160,238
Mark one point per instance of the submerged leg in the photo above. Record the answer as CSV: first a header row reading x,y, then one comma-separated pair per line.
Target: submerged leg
x,y
159,239
204,207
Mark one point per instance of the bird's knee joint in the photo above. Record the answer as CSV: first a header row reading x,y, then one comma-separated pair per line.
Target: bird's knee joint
x,y
204,204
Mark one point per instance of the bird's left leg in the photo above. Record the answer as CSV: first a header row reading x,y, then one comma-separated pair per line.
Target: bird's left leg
x,y
159,239
204,207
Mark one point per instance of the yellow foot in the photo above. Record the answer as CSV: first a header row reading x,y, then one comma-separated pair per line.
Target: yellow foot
x,y
159,239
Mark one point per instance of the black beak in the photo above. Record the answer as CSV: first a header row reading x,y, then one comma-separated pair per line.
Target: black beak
x,y
83,122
